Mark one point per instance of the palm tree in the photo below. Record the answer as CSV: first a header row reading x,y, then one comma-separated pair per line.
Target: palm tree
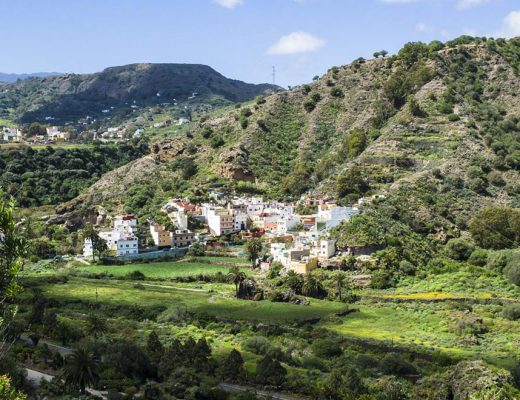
x,y
80,369
96,325
237,277
254,247
341,282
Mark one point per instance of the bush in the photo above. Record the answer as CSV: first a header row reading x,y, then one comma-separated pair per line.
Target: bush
x,y
394,364
496,228
453,117
135,276
326,348
478,257
309,105
336,92
458,249
382,279
512,271
258,345
511,311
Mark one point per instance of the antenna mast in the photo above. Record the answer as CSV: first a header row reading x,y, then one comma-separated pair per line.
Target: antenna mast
x,y
274,75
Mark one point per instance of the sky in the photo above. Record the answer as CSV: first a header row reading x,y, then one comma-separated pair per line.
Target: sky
x,y
242,39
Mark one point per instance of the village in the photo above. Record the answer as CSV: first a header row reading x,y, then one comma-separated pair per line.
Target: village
x,y
300,242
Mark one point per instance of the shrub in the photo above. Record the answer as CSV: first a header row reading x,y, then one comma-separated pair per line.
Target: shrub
x,y
326,348
496,228
306,88
394,364
309,105
512,271
336,92
316,97
243,121
258,345
511,311
382,279
453,117
135,276
478,257
458,249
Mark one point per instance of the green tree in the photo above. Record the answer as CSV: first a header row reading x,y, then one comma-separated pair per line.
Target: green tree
x,y
312,287
153,344
254,247
233,367
99,245
341,282
270,372
236,276
13,247
7,392
96,325
496,228
80,370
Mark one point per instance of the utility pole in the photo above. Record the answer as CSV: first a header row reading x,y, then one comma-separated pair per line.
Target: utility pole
x,y
274,75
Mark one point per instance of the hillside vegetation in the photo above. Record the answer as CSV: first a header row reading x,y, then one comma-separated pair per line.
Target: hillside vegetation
x,y
72,96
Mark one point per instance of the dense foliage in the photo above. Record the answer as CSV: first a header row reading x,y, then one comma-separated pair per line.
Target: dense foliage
x,y
54,175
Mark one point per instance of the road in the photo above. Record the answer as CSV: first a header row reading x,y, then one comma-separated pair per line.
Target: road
x,y
60,349
35,378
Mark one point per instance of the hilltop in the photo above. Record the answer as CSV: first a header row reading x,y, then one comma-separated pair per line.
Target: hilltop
x,y
11,78
114,90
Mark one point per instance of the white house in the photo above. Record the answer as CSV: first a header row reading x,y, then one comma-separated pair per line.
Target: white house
x,y
240,221
88,251
54,133
220,221
324,249
12,135
332,215
286,223
121,239
127,245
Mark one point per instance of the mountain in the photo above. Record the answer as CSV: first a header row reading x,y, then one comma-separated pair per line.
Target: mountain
x,y
435,129
114,90
11,78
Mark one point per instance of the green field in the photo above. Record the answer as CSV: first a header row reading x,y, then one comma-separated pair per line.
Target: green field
x,y
163,270
431,327
218,304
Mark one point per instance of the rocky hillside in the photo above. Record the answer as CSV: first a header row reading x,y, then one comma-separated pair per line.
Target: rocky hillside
x,y
436,127
70,97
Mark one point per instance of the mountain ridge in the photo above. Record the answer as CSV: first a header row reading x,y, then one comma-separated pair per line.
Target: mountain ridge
x,y
74,96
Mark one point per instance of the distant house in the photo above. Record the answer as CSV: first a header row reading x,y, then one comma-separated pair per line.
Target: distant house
x,y
121,239
54,134
161,237
220,221
182,238
12,135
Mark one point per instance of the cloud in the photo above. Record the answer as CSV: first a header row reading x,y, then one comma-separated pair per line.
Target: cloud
x,y
461,4
229,3
420,27
295,43
510,25
398,1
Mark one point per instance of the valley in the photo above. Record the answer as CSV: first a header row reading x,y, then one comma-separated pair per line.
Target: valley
x,y
355,237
